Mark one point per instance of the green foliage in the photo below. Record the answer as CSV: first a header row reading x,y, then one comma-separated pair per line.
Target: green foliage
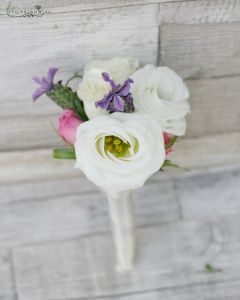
x,y
170,144
64,153
209,268
79,109
169,163
66,98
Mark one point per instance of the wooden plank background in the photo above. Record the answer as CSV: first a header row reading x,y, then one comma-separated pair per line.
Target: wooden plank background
x,y
68,253
55,240
198,39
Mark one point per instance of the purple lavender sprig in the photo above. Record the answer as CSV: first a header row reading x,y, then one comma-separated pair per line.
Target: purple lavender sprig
x,y
61,94
119,98
46,84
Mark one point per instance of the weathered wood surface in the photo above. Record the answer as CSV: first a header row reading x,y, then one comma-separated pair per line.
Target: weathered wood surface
x,y
169,256
200,38
196,38
210,291
209,50
214,106
7,281
171,253
220,196
200,12
59,232
61,6
73,212
55,241
67,41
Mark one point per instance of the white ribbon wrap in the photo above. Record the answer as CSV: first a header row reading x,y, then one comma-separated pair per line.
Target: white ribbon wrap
x,y
121,214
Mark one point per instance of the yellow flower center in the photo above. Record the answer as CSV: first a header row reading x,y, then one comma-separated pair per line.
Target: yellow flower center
x,y
116,146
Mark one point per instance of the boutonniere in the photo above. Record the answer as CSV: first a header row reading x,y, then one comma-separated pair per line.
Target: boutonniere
x,y
120,125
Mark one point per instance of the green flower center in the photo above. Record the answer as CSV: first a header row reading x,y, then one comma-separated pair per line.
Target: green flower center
x,y
116,146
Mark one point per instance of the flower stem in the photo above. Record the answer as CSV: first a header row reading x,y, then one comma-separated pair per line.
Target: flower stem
x,y
121,214
71,78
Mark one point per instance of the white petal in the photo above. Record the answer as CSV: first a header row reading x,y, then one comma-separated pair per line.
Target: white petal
x,y
108,171
160,92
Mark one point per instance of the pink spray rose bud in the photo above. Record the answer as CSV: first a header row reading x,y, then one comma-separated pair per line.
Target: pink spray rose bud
x,y
167,138
68,123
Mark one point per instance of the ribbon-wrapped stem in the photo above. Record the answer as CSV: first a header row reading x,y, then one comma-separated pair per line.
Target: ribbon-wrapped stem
x,y
122,218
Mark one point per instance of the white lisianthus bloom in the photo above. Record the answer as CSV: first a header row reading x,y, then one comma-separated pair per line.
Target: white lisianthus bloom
x,y
160,92
93,88
119,68
120,151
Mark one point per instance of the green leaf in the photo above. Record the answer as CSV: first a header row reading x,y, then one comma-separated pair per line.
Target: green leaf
x,y
64,153
170,144
209,268
79,109
168,163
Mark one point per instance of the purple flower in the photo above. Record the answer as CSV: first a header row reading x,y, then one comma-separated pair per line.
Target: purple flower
x,y
46,84
119,98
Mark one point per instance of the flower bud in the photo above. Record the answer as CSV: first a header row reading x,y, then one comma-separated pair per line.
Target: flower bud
x,y
67,126
167,139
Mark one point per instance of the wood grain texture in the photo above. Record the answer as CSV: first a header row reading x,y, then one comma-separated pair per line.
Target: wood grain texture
x,y
46,212
200,12
214,106
55,241
169,256
61,6
210,291
201,50
207,152
7,288
196,201
62,247
67,41
34,165
204,45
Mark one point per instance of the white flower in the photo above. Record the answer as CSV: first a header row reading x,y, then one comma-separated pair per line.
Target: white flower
x,y
119,68
93,88
120,151
160,92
